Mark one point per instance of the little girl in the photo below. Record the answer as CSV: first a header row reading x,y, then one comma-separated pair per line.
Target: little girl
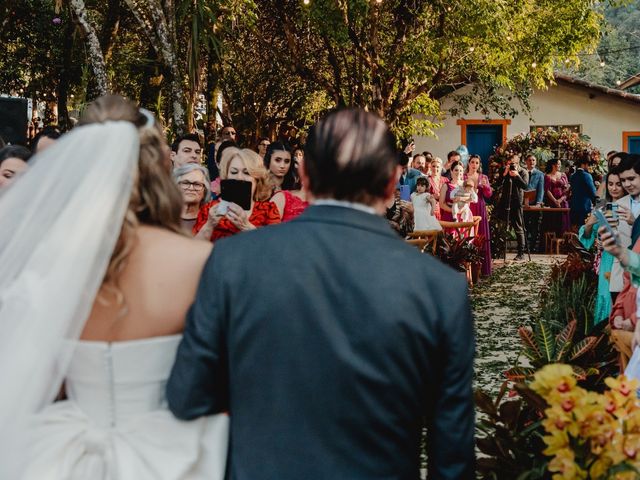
x,y
424,205
462,197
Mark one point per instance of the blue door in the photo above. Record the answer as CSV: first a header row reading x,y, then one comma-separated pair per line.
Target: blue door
x,y
633,144
483,140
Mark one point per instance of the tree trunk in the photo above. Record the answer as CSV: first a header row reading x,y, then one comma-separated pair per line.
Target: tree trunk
x,y
96,59
110,28
63,82
154,23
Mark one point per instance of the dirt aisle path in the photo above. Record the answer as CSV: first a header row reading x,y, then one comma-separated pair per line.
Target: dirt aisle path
x,y
503,302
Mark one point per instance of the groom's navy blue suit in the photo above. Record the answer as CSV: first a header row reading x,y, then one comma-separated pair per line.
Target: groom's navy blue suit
x,y
329,340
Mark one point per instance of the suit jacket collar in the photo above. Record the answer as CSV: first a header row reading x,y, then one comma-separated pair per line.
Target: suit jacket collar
x,y
348,217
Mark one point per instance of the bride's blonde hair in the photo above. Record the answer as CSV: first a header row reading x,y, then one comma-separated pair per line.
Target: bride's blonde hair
x,y
155,198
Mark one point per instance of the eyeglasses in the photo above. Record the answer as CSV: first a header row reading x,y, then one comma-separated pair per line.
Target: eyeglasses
x,y
230,133
264,144
197,186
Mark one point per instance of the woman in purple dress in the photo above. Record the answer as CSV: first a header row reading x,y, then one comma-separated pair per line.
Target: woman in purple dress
x,y
556,195
479,209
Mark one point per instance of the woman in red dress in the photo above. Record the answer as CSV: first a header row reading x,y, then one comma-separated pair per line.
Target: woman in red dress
x,y
291,203
218,220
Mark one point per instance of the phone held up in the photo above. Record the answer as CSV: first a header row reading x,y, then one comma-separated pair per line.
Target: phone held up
x,y
236,191
603,222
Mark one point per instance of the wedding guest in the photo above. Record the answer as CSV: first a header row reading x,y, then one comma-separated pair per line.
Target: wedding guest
x,y
583,192
420,164
217,221
452,157
423,206
556,188
512,184
291,203
479,208
613,161
279,164
408,176
45,138
215,181
263,144
587,236
298,156
186,149
436,181
13,161
462,197
532,219
193,180
446,198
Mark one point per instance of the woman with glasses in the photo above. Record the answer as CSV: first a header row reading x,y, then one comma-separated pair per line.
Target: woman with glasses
x,y
193,180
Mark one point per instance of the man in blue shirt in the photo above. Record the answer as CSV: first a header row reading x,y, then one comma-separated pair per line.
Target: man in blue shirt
x,y
532,219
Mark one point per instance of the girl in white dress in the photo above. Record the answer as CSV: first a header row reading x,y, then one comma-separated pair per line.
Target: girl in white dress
x,y
98,282
424,205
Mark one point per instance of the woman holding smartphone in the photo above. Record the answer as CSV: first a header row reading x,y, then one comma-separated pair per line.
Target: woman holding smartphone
x,y
219,218
587,236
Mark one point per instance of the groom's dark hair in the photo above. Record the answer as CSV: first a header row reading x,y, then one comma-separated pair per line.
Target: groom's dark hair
x,y
350,155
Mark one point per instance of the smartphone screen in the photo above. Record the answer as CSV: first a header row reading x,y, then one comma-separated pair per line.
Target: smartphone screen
x,y
236,191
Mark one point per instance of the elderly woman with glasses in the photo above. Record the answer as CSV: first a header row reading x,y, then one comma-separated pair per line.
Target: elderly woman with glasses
x,y
193,180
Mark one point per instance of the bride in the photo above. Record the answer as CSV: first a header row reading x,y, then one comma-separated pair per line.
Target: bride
x,y
95,281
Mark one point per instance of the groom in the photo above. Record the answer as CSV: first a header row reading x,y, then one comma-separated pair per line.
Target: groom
x,y
328,339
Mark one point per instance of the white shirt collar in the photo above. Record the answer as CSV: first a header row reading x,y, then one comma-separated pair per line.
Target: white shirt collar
x,y
341,203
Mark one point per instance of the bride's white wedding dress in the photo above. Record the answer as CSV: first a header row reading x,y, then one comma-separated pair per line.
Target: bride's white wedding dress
x,y
115,424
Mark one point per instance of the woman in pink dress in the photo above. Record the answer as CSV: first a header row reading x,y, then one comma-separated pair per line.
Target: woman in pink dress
x,y
436,181
556,194
446,201
479,209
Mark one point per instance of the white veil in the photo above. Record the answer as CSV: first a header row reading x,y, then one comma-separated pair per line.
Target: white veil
x,y
59,224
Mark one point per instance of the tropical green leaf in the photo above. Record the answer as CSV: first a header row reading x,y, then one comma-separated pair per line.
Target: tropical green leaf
x,y
564,339
529,340
582,347
545,341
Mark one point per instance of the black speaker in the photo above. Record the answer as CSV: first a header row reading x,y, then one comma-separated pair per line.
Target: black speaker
x,y
13,120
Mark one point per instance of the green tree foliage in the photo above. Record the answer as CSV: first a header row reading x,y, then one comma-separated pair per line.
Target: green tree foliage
x,y
617,56
399,57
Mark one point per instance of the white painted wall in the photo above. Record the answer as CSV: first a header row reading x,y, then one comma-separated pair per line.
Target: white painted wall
x,y
603,118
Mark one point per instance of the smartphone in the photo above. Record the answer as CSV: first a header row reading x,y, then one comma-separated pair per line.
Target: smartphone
x,y
603,222
236,191
405,193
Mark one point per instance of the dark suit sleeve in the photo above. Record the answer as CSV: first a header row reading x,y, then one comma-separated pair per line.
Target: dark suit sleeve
x,y
451,423
522,179
198,384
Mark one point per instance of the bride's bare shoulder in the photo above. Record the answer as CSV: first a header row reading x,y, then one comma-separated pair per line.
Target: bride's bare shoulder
x,y
174,246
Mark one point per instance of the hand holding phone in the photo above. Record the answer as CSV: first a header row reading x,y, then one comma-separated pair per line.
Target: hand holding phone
x,y
236,191
602,220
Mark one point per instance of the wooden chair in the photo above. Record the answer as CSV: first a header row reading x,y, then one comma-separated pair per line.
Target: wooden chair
x,y
470,228
423,239
556,244
548,241
421,243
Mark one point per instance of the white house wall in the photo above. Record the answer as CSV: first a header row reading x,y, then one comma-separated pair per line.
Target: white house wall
x,y
603,118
